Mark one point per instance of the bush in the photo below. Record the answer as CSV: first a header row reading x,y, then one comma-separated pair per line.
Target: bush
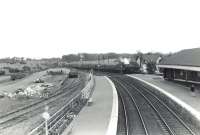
x,y
26,68
14,70
55,72
2,72
17,76
22,62
6,68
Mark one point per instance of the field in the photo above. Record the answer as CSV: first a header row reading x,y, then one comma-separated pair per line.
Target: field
x,y
34,65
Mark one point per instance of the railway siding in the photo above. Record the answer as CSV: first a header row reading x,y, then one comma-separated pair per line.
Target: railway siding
x,y
66,114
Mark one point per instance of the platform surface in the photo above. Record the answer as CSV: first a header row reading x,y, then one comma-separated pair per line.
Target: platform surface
x,y
181,92
94,119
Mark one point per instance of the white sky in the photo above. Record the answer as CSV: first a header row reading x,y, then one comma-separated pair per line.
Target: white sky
x,y
51,28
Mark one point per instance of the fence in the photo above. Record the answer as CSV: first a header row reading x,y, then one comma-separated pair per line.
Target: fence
x,y
59,121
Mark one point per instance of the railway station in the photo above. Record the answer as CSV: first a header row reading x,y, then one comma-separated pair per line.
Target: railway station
x,y
108,67
147,104
182,66
116,98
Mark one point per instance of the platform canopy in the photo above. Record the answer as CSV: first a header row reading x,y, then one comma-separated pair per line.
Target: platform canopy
x,y
188,59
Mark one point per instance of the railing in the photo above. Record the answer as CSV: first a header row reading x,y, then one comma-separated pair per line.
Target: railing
x,y
63,117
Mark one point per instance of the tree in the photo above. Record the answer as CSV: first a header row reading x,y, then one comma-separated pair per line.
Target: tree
x,y
112,55
26,68
140,56
151,67
2,72
13,70
70,58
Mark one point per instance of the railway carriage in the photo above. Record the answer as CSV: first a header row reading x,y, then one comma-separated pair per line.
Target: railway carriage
x,y
112,68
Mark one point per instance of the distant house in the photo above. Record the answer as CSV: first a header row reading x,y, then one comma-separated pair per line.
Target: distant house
x,y
125,60
144,59
182,66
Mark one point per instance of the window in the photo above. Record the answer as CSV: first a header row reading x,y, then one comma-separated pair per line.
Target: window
x,y
198,74
181,73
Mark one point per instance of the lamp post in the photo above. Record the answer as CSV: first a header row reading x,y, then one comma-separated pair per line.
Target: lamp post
x,y
98,67
81,59
46,116
121,68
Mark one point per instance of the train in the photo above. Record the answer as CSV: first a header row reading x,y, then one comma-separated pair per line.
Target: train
x,y
73,74
114,68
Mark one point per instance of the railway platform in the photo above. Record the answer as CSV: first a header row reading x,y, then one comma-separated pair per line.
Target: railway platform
x,y
178,93
99,118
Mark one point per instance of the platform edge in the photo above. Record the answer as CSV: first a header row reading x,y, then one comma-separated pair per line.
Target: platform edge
x,y
191,110
112,127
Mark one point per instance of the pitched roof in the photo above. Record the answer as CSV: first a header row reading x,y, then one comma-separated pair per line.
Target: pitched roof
x,y
151,57
188,57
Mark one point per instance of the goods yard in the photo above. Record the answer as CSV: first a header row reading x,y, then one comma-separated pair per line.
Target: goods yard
x,y
26,109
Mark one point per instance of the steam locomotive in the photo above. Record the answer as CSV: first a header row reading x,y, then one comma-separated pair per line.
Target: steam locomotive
x,y
115,68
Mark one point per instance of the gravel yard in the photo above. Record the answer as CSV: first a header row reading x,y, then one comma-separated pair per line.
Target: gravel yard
x,y
8,104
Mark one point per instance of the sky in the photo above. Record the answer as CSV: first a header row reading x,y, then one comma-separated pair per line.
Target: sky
x,y
51,28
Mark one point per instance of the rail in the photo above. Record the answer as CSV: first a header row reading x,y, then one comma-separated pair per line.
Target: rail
x,y
65,113
171,121
143,126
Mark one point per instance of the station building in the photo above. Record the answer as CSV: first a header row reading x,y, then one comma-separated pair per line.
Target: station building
x,y
146,58
182,66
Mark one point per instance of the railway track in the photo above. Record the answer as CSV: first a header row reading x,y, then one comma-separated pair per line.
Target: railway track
x,y
151,115
62,117
35,108
133,122
122,126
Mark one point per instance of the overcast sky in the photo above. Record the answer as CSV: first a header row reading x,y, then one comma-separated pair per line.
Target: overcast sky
x,y
51,28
